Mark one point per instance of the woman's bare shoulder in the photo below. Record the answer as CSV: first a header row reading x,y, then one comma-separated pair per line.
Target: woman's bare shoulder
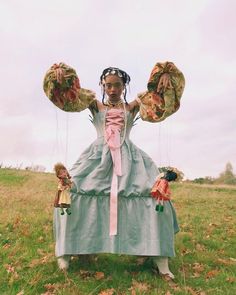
x,y
133,106
100,105
96,106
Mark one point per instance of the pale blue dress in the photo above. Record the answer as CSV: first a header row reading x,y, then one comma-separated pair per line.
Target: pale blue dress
x,y
141,229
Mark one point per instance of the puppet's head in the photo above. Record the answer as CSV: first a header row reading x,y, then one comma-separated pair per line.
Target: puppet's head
x,y
170,175
61,171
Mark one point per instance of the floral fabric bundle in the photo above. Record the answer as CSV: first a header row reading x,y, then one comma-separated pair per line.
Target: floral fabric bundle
x,y
62,86
154,106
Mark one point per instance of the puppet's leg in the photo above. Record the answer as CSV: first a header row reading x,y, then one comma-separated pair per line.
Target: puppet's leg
x,y
158,205
162,263
68,211
63,262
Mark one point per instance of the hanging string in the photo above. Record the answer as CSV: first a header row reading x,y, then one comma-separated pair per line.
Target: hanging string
x,y
67,137
168,144
165,144
60,148
159,145
54,150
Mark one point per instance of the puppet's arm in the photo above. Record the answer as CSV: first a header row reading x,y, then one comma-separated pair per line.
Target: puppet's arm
x,y
62,86
157,103
60,186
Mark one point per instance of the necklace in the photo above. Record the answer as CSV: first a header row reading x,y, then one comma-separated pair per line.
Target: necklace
x,y
114,104
125,126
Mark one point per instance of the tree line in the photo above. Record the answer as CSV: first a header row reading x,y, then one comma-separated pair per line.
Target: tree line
x,y
226,177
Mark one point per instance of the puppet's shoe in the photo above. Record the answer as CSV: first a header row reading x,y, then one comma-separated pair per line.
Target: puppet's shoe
x,y
63,262
68,211
162,264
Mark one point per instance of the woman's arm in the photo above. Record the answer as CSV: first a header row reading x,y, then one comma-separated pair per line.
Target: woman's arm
x,y
133,107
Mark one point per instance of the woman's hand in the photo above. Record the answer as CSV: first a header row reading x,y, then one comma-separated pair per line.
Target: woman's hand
x,y
164,82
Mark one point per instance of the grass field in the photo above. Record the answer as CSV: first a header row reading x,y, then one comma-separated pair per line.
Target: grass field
x,y
206,245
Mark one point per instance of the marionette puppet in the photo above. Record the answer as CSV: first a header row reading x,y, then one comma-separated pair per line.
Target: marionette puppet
x,y
161,189
62,199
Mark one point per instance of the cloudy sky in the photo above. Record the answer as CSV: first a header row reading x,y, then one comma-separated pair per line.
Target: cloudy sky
x,y
197,35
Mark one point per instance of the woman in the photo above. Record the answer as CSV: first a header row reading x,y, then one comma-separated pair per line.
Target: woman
x,y
112,209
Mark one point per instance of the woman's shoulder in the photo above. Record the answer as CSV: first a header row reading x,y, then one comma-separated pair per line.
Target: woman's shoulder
x,y
133,105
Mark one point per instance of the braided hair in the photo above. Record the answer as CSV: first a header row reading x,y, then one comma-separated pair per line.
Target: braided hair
x,y
120,73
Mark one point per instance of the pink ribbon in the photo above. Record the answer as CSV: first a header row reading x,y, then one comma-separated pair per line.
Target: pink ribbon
x,y
114,123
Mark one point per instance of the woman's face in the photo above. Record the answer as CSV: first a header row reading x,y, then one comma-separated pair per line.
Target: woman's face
x,y
114,87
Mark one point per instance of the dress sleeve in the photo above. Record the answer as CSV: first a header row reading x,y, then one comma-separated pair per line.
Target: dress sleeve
x,y
62,86
156,107
60,186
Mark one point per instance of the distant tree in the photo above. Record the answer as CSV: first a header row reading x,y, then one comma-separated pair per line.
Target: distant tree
x,y
36,168
227,177
199,180
204,180
229,170
209,179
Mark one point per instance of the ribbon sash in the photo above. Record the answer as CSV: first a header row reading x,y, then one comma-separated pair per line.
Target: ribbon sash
x,y
114,123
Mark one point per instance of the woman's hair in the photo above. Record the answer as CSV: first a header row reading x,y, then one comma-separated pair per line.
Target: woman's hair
x,y
119,73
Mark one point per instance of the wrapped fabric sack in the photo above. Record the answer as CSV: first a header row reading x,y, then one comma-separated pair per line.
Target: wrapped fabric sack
x,y
154,106
62,86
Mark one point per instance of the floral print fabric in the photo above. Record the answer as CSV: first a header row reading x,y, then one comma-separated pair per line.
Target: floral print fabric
x,y
62,86
155,107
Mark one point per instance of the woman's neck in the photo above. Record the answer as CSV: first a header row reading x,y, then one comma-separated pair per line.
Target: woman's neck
x,y
114,103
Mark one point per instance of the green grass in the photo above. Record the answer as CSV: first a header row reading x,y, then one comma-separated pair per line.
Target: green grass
x,y
205,261
12,177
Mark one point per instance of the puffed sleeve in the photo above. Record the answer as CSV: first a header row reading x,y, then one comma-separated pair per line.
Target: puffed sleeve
x,y
156,107
62,86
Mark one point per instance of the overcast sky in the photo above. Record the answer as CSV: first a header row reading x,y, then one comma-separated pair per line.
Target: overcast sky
x,y
197,35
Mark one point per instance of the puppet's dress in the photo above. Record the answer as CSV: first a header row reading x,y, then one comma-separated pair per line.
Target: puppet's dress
x,y
140,229
64,199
